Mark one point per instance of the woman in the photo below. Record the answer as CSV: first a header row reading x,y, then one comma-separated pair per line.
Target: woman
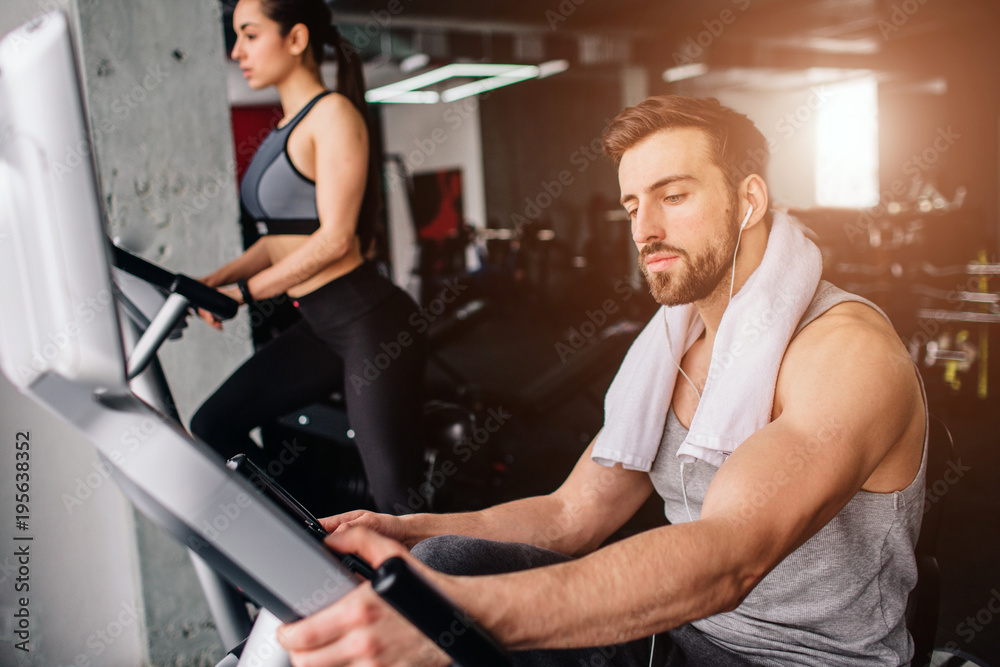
x,y
313,190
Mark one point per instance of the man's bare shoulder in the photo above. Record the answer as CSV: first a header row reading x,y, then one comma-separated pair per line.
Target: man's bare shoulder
x,y
850,338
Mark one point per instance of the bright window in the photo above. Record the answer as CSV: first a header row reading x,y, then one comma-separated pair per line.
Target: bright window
x,y
847,145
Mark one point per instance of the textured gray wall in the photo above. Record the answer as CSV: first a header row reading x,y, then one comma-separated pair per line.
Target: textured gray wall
x,y
156,91
155,85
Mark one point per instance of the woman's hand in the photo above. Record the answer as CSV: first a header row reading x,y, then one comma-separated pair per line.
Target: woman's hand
x,y
210,319
232,292
361,628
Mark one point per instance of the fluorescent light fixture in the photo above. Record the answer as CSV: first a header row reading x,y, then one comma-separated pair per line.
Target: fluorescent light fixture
x,y
552,67
416,97
682,72
490,76
522,73
414,62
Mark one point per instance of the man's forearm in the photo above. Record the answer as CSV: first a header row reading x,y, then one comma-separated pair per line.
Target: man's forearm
x,y
540,520
631,589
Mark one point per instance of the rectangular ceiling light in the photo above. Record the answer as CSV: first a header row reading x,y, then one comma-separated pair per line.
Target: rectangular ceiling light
x,y
489,83
490,76
682,72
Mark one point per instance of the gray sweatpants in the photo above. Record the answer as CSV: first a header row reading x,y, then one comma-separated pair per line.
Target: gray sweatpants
x,y
682,647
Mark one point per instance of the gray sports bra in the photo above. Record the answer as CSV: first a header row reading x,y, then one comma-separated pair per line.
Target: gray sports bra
x,y
276,194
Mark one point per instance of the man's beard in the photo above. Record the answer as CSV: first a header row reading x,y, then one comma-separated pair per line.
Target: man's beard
x,y
693,279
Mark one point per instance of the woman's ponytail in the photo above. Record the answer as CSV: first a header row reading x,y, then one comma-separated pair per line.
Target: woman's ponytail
x,y
350,75
351,84
316,16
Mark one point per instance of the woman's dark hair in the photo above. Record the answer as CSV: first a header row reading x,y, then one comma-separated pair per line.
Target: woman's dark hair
x,y
316,16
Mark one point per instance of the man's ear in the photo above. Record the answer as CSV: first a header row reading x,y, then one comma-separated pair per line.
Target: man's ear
x,y
297,39
753,192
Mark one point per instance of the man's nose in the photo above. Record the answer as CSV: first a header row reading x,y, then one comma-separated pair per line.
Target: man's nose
x,y
646,228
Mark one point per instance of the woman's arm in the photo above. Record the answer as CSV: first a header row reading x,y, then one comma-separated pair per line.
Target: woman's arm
x,y
340,143
250,263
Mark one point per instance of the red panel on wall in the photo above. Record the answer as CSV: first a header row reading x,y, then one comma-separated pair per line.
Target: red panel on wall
x,y
250,126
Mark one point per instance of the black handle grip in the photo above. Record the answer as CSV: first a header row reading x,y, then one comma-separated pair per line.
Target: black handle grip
x,y
200,295
203,296
437,617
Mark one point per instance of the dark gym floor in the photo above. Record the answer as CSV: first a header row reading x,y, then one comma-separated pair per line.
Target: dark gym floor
x,y
525,337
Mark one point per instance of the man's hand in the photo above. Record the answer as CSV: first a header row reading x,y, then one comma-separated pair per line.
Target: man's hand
x,y
361,628
386,525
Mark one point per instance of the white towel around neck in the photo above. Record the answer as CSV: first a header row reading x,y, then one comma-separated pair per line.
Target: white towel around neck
x,y
749,345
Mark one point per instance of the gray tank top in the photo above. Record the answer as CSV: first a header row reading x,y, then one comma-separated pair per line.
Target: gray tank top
x,y
823,604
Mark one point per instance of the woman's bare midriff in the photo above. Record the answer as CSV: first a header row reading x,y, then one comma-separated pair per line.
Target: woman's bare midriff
x,y
281,246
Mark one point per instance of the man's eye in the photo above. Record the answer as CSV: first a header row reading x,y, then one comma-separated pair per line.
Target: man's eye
x,y
674,199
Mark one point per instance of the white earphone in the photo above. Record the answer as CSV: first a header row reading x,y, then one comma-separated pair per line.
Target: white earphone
x,y
746,219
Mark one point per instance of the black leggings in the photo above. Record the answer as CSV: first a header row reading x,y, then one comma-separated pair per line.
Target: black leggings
x,y
356,337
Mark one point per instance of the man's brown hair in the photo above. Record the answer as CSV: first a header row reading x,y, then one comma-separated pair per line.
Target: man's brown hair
x,y
738,147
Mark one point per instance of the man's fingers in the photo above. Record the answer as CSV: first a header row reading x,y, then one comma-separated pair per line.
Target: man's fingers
x,y
332,624
332,523
366,543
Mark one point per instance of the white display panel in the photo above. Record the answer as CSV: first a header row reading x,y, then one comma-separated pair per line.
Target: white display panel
x,y
55,289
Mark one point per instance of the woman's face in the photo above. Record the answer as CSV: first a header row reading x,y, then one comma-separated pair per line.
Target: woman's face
x,y
265,57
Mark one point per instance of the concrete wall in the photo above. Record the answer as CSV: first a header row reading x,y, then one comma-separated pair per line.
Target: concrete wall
x,y
155,87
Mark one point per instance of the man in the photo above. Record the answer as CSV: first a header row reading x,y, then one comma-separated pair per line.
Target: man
x,y
797,549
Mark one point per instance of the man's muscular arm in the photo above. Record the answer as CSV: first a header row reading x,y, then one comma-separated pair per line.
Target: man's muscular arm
x,y
848,399
848,415
575,519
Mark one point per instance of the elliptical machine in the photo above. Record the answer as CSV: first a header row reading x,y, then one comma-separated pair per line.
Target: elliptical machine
x,y
54,258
